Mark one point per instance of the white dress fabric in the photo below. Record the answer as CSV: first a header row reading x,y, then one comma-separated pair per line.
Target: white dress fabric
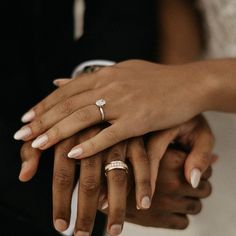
x,y
218,217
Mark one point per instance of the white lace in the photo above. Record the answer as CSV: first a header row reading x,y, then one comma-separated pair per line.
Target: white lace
x,y
220,17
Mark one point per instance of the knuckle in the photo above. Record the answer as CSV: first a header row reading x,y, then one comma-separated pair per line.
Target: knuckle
x,y
83,115
194,207
115,154
37,125
118,212
113,135
63,178
89,185
144,182
85,222
66,106
173,186
204,158
24,152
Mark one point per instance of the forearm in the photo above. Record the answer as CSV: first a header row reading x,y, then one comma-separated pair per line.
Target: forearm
x,y
180,32
220,81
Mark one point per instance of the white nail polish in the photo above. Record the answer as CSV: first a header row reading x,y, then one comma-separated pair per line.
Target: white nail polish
x,y
75,152
40,141
146,202
195,177
27,117
105,205
22,133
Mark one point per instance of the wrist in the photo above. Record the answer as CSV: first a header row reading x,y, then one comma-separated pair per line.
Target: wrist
x,y
207,86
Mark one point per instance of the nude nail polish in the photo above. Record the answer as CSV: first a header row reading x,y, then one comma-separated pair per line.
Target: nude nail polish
x,y
22,133
28,116
60,225
115,230
195,177
75,152
82,233
40,141
105,205
146,202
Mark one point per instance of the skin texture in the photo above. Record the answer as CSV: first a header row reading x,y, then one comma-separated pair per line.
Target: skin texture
x,y
93,185
172,201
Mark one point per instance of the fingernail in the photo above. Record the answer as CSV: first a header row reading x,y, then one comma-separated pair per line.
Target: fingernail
x,y
115,230
24,169
28,116
146,202
105,205
40,141
60,225
57,82
22,133
82,233
137,207
195,177
76,152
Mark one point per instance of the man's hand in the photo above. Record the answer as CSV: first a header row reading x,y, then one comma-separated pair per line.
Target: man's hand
x,y
174,199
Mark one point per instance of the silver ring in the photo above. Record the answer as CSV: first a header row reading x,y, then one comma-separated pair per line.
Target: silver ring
x,y
116,165
100,104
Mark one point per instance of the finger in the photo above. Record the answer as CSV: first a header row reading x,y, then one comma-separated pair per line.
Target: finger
x,y
204,190
69,108
63,181
61,82
200,157
139,160
30,160
157,147
163,220
89,190
177,204
77,121
117,191
105,139
81,84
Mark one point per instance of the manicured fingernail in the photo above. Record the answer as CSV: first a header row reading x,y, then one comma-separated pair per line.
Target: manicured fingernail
x,y
22,133
58,82
60,225
82,233
75,152
105,205
115,230
40,141
146,202
195,177
28,116
137,207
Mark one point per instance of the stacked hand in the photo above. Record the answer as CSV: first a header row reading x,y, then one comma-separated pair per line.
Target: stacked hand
x,y
134,107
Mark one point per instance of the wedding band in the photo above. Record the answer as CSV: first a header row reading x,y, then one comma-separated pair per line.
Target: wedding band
x,y
100,104
116,165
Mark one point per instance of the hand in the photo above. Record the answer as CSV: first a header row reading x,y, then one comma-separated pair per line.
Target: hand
x,y
138,94
92,182
174,199
195,136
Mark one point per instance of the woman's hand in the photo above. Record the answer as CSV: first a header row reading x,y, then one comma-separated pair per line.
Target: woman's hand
x,y
195,136
140,97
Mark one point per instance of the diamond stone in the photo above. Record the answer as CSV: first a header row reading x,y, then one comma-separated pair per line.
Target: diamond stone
x,y
100,102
